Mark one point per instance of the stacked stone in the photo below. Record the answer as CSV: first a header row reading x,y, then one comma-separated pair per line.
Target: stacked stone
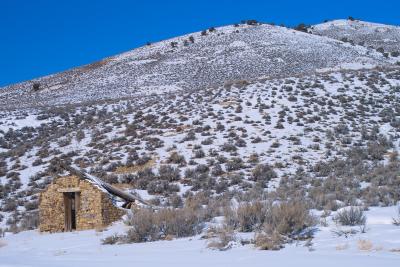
x,y
94,208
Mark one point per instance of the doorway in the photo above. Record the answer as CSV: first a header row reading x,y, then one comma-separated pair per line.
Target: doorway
x,y
70,211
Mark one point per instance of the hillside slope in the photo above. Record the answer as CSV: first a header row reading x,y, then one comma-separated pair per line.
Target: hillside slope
x,y
263,138
363,33
225,54
214,140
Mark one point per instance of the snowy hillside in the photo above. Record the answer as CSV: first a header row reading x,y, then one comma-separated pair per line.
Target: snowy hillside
x,y
244,139
192,62
385,38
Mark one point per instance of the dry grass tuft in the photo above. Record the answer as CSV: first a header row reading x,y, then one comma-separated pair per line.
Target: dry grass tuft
x,y
342,246
273,241
364,245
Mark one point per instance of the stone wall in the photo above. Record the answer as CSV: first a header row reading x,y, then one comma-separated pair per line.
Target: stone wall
x,y
94,210
110,213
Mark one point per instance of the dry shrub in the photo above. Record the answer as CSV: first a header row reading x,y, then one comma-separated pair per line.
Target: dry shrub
x,y
364,245
175,201
29,221
396,221
143,228
250,216
149,225
351,217
168,173
284,222
275,223
342,246
289,219
263,173
179,222
266,241
230,217
176,158
222,237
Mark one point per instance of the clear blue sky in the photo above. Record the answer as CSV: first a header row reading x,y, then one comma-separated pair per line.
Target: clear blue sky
x,y
40,37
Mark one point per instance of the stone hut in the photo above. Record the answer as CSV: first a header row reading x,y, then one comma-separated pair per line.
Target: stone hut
x,y
79,202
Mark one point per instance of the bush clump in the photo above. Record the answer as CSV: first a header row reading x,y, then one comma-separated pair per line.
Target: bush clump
x,y
288,219
284,222
263,173
222,238
351,217
36,86
149,225
176,158
250,216
275,223
168,173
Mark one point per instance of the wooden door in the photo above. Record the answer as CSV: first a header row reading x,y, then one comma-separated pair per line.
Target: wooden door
x,y
70,212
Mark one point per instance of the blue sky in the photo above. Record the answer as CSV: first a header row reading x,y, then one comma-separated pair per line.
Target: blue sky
x,y
40,37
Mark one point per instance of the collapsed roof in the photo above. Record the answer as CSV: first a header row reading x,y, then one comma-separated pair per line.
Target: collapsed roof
x,y
106,187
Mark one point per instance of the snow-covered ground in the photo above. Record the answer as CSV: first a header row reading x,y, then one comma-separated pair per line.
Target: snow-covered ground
x,y
379,246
